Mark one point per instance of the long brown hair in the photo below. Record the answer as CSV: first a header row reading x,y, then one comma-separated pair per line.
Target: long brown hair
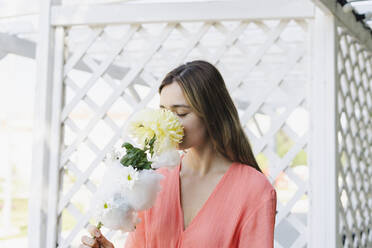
x,y
206,92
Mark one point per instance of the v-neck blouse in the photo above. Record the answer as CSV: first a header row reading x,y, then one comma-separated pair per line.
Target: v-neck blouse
x,y
178,186
240,212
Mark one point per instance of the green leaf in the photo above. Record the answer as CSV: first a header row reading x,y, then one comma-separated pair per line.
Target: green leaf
x,y
136,157
151,144
152,141
127,145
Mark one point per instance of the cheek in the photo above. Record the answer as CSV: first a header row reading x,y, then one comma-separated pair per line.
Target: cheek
x,y
195,132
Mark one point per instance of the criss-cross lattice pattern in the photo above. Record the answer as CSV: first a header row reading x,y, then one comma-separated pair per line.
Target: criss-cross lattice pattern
x,y
354,136
112,71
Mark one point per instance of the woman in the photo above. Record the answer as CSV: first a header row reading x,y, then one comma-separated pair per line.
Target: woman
x,y
217,196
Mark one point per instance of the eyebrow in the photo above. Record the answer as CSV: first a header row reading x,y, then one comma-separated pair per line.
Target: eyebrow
x,y
177,106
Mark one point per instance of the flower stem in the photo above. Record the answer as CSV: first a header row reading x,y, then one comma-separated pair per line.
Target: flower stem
x,y
99,225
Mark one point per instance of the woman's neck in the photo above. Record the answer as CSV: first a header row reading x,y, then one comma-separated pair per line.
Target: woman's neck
x,y
204,160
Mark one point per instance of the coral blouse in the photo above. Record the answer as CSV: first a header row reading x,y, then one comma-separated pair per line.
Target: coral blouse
x,y
240,212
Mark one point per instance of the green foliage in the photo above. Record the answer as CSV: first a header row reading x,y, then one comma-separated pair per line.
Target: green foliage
x,y
150,145
136,157
285,144
19,218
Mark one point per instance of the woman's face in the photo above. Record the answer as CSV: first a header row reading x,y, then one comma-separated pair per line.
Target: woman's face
x,y
195,133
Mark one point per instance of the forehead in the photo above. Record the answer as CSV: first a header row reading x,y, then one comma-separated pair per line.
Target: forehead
x,y
171,95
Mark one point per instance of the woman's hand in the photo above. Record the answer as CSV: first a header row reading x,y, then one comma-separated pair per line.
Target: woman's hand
x,y
98,242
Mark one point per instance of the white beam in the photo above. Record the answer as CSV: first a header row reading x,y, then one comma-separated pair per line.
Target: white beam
x,y
186,11
348,20
323,221
17,8
26,48
2,54
19,46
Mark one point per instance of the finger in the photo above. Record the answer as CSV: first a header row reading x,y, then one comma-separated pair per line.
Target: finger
x,y
96,233
88,241
104,242
93,230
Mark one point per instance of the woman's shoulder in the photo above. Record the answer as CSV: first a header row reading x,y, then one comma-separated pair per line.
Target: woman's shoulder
x,y
256,183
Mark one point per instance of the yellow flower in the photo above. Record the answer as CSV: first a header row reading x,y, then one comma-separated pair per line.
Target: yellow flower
x,y
160,122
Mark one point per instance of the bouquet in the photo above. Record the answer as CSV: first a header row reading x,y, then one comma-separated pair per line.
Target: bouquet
x,y
130,182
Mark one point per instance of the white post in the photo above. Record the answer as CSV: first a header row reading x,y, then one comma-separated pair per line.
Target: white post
x,y
323,216
54,172
41,130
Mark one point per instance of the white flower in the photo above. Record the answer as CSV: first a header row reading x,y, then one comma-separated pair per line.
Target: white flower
x,y
117,177
169,158
143,194
108,186
114,174
130,176
113,155
112,182
117,214
123,191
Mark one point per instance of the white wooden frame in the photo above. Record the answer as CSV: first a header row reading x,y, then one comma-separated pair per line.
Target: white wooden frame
x,y
329,234
348,20
323,215
169,12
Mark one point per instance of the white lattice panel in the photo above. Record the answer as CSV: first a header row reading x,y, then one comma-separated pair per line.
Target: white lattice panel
x,y
354,133
110,72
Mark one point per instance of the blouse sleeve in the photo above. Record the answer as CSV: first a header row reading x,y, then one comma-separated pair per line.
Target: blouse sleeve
x,y
137,238
258,230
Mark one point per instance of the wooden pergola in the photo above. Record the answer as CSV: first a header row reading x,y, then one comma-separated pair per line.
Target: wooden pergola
x,y
303,66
